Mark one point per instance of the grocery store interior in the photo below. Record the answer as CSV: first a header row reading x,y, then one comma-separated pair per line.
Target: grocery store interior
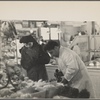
x,y
83,34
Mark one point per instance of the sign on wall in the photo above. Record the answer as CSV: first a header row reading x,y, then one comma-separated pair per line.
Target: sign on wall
x,y
54,33
45,33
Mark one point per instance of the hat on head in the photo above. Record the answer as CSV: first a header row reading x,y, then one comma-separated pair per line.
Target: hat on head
x,y
26,39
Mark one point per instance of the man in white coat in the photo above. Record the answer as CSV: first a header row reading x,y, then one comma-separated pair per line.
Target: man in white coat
x,y
74,70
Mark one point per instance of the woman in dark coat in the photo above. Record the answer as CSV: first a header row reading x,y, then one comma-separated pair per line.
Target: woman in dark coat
x,y
32,59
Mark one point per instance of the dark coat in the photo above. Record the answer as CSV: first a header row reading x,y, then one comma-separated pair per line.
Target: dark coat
x,y
33,63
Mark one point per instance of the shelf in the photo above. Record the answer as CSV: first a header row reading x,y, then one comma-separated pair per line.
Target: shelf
x,y
88,67
93,51
94,67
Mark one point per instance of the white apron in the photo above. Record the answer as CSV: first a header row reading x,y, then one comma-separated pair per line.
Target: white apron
x,y
74,70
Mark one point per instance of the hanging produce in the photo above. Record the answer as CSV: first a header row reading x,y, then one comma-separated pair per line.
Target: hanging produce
x,y
8,29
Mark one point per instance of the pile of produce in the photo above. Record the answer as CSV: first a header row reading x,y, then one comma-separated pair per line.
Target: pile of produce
x,y
21,86
29,89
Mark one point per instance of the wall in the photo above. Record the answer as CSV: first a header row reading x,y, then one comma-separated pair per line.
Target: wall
x,y
71,30
66,32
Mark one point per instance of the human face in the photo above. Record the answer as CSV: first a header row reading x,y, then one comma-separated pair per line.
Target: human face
x,y
29,44
54,52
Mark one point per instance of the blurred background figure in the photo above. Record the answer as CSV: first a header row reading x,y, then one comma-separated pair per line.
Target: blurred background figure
x,y
77,49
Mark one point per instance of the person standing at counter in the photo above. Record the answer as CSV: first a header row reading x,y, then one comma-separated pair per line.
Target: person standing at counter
x,y
76,48
74,71
33,59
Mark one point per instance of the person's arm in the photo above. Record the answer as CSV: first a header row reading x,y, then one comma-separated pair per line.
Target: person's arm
x,y
43,57
71,67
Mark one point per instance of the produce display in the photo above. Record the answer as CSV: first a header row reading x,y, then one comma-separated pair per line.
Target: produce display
x,y
30,89
13,83
20,86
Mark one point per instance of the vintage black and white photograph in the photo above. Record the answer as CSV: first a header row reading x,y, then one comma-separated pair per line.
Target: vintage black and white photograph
x,y
49,58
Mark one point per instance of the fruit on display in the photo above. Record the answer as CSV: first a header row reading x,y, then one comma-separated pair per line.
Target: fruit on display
x,y
3,75
60,97
40,83
28,95
30,89
15,95
5,92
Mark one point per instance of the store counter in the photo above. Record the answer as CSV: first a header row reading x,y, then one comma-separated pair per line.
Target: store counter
x,y
94,73
50,70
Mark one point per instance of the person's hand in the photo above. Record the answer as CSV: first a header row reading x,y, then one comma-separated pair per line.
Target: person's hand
x,y
58,75
52,61
64,81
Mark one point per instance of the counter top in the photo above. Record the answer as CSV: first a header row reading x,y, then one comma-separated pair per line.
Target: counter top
x,y
50,65
94,73
88,67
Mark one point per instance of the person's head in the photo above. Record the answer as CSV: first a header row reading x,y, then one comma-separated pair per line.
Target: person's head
x,y
53,48
28,45
28,41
